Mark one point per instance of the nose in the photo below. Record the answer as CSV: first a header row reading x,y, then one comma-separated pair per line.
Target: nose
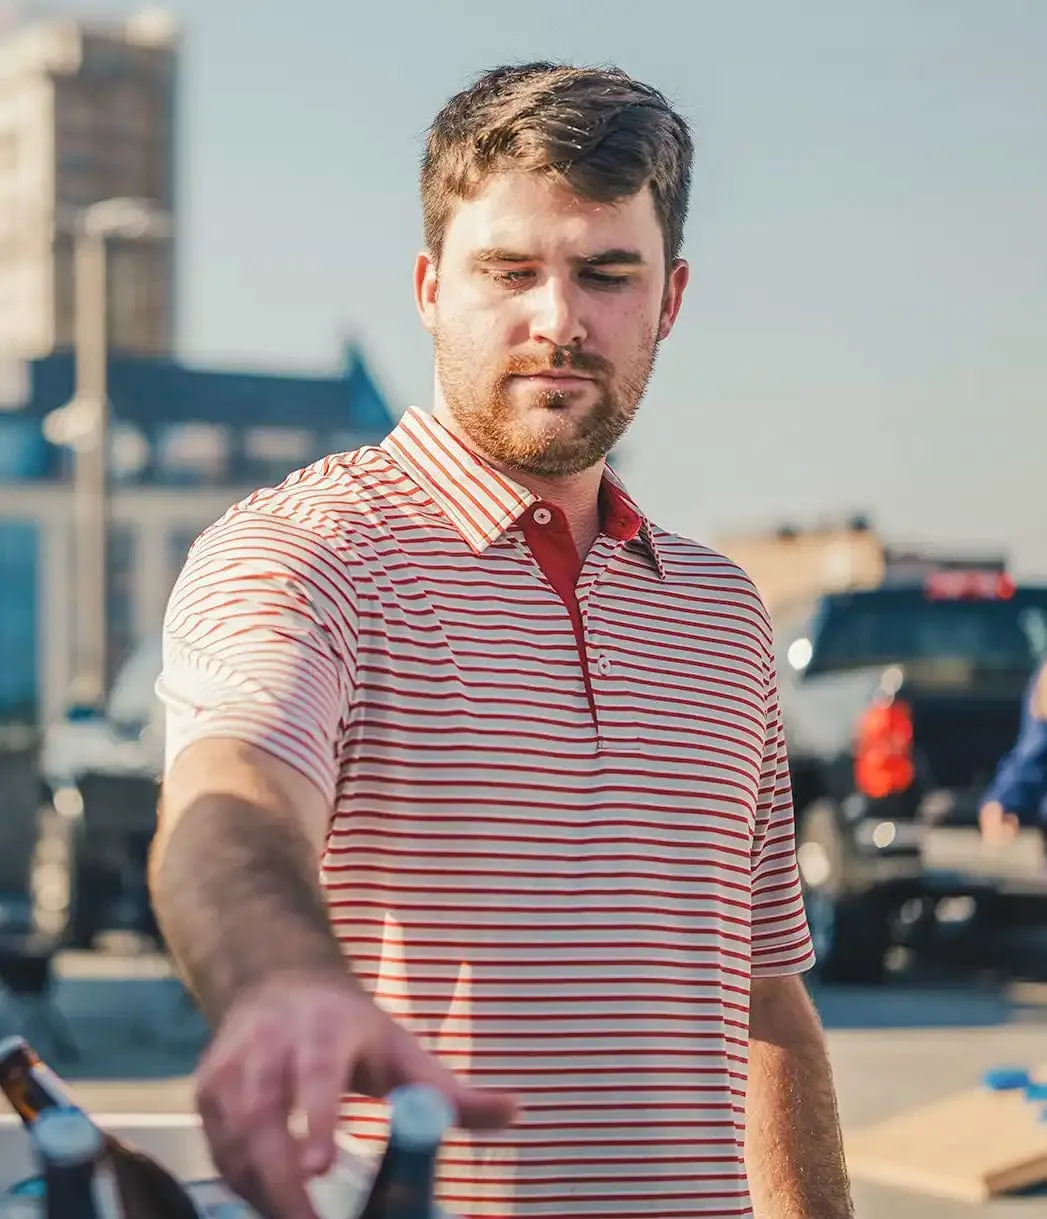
x,y
557,314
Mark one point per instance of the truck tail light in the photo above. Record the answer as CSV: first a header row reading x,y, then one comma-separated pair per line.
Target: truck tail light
x,y
883,756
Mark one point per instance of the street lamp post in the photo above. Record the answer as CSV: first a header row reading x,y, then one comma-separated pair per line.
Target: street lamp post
x,y
83,425
91,468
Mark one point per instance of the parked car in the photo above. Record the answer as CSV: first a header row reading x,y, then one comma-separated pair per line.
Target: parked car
x,y
898,703
87,871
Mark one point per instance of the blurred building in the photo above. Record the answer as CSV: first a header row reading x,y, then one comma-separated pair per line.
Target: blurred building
x,y
185,443
87,113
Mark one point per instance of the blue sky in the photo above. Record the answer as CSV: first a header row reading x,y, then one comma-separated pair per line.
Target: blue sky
x,y
866,326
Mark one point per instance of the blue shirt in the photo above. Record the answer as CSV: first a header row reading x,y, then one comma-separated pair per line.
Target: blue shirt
x,y
1020,781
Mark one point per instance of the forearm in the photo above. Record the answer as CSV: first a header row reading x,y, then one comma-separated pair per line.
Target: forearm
x,y
236,892
794,1148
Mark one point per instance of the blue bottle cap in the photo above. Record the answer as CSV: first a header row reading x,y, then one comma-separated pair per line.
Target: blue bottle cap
x,y
420,1117
1037,1090
1006,1079
66,1137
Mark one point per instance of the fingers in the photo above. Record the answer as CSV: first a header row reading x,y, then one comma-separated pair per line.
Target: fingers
x,y
298,1055
483,1109
998,826
278,1171
244,1103
319,1075
475,1108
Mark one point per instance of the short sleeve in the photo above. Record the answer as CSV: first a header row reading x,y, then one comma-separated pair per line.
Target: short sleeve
x,y
781,939
259,644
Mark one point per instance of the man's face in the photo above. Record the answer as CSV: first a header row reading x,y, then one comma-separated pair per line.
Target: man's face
x,y
546,312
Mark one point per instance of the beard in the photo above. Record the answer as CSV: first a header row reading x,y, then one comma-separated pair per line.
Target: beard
x,y
545,436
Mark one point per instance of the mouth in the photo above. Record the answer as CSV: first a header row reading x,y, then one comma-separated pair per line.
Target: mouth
x,y
556,380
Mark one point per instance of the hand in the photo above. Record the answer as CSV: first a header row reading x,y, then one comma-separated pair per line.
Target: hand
x,y
297,1044
997,825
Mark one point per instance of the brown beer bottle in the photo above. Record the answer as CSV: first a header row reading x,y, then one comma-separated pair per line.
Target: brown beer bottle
x,y
144,1189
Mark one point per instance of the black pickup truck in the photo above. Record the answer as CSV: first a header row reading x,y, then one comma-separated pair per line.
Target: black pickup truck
x,y
898,704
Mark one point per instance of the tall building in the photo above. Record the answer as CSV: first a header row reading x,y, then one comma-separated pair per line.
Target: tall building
x,y
87,113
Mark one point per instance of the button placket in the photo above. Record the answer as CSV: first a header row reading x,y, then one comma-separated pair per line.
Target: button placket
x,y
598,661
609,669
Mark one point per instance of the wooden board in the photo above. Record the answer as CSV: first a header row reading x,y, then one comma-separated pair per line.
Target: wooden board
x,y
971,1146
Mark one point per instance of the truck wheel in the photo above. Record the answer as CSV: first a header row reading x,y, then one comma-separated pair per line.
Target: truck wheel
x,y
851,931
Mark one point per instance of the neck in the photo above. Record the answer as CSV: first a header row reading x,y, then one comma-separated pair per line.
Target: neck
x,y
576,495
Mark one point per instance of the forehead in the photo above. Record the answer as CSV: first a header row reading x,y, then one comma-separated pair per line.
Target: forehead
x,y
517,210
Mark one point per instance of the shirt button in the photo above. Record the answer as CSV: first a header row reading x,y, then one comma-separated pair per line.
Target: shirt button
x,y
603,666
542,516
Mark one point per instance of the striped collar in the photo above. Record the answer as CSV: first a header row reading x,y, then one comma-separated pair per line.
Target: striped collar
x,y
483,503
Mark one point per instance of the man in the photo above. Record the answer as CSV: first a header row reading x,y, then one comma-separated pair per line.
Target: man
x,y
1017,794
475,775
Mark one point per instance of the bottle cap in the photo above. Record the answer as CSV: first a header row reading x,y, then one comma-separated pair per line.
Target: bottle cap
x,y
12,1045
420,1116
66,1136
1007,1079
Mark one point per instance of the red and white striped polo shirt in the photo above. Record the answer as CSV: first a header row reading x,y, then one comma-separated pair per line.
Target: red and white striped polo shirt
x,y
561,836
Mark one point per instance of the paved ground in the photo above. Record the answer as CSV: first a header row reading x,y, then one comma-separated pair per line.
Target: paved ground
x,y
884,1071
892,1048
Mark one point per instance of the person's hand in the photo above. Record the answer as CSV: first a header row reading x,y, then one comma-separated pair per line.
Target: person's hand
x,y
296,1045
997,825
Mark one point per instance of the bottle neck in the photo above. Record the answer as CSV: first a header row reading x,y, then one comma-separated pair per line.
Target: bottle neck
x,y
403,1186
30,1086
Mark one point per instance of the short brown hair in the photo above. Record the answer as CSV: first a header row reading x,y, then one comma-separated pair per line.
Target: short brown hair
x,y
605,135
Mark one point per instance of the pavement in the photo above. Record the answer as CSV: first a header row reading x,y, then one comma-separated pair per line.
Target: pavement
x,y
916,1039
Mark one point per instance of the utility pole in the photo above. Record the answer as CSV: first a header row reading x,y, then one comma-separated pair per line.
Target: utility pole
x,y
83,425
91,469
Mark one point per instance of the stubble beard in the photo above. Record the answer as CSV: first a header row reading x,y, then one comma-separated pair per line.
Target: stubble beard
x,y
484,411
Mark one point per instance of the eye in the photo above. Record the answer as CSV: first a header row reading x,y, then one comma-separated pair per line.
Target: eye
x,y
603,279
510,277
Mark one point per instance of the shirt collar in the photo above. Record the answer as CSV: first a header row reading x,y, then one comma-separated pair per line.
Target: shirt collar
x,y
483,503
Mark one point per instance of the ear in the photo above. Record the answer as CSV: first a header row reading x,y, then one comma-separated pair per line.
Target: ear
x,y
425,289
673,298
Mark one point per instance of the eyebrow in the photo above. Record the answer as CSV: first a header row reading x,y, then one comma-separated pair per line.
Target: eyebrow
x,y
606,258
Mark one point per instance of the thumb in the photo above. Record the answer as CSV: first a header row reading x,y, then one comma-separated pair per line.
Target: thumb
x,y
475,1108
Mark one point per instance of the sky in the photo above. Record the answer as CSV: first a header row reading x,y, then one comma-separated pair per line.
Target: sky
x,y
866,324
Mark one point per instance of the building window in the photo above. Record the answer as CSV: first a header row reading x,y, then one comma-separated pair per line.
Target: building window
x,y
18,622
129,452
192,453
278,445
23,453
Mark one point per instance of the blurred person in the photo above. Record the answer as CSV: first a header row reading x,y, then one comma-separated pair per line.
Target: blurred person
x,y
1017,795
475,775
